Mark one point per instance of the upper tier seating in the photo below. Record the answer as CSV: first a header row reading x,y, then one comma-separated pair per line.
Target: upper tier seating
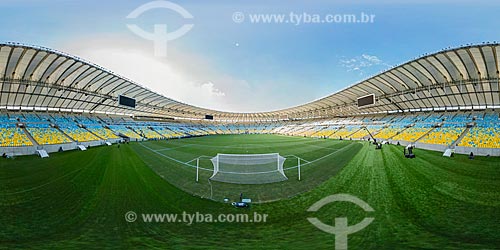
x,y
86,120
32,118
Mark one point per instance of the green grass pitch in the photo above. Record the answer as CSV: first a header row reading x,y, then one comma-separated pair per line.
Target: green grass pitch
x,y
77,200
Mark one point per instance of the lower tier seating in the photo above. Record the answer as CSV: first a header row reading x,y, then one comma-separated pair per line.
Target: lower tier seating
x,y
104,133
442,136
13,137
80,134
148,133
482,138
388,133
345,132
124,131
48,136
411,134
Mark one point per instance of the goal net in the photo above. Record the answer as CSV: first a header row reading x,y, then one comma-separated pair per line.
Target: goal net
x,y
248,168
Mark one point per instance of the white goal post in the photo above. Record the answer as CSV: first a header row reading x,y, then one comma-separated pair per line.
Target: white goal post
x,y
248,168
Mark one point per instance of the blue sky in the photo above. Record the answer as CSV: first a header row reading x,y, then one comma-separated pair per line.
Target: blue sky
x,y
248,66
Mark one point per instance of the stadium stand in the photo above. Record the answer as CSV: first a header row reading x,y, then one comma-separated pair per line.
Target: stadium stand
x,y
193,130
145,132
444,135
102,132
12,136
178,132
122,129
363,132
412,134
453,125
31,118
167,133
429,128
76,133
327,131
389,132
486,133
345,132
44,134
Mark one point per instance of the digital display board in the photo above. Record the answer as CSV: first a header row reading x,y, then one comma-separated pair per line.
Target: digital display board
x,y
366,100
126,101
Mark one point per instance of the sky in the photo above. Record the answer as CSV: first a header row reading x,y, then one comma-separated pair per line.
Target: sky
x,y
250,56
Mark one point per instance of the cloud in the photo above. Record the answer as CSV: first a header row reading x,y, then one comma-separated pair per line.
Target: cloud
x,y
210,88
362,64
181,76
371,59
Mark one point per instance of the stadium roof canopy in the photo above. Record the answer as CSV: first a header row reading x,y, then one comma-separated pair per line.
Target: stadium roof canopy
x,y
39,78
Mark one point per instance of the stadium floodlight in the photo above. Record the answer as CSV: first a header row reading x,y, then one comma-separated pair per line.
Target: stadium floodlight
x,y
248,168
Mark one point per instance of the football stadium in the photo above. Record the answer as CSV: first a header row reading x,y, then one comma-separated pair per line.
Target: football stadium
x,y
405,157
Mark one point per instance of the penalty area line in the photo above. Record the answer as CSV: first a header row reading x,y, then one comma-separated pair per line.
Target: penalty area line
x,y
199,157
302,159
322,157
167,149
173,159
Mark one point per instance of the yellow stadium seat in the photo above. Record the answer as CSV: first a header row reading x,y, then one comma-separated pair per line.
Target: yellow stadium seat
x,y
13,137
